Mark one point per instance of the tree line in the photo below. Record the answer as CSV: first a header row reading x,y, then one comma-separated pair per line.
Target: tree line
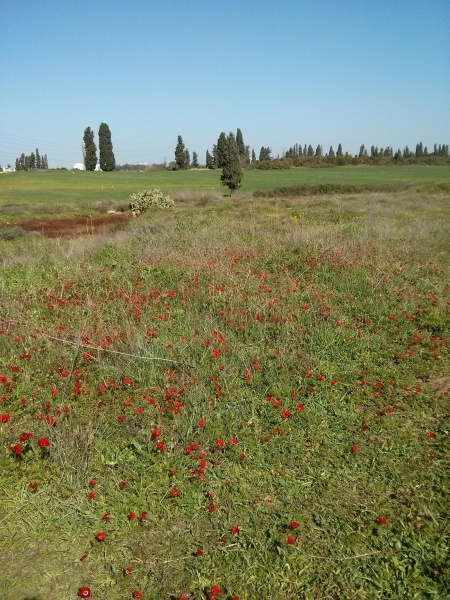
x,y
31,162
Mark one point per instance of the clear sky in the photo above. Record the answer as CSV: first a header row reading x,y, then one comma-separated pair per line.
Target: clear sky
x,y
283,71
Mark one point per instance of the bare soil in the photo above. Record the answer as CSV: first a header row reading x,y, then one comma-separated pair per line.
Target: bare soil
x,y
75,226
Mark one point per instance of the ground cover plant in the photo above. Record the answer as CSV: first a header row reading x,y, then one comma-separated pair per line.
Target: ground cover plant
x,y
237,399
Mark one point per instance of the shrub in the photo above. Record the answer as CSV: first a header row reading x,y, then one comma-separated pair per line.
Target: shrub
x,y
146,199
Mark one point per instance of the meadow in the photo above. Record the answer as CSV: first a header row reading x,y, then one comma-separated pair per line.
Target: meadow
x,y
56,193
236,398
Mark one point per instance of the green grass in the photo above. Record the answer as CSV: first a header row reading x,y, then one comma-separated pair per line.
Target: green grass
x,y
55,193
214,318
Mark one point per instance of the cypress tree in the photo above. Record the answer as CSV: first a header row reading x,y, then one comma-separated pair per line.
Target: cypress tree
x,y
253,156
209,160
339,151
240,145
38,159
180,153
195,160
231,168
90,151
331,152
107,160
220,150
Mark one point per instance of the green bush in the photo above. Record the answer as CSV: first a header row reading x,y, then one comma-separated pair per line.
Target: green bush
x,y
146,199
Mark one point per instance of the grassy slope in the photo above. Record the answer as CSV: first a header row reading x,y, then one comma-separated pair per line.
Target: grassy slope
x,y
339,305
26,195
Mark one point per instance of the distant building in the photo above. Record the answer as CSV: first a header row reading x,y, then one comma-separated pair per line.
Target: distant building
x,y
79,167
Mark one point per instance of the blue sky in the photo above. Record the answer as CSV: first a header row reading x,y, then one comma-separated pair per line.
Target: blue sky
x,y
318,71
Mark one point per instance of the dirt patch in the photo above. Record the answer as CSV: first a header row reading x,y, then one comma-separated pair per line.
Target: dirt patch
x,y
75,226
441,385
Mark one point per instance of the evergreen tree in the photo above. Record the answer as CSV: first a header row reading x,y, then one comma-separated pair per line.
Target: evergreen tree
x,y
240,145
253,156
310,150
38,159
362,151
195,160
339,151
209,160
32,161
231,168
331,152
247,154
221,149
105,147
319,150
180,153
188,159
90,150
265,153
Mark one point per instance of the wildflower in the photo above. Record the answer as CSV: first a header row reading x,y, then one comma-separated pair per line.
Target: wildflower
x,y
16,449
4,418
364,426
430,434
291,540
33,485
101,536
293,524
175,493
137,594
106,517
211,508
127,571
43,443
92,483
92,495
219,443
201,423
382,520
142,516
233,441
84,592
131,515
199,552
215,591
300,407
235,530
354,448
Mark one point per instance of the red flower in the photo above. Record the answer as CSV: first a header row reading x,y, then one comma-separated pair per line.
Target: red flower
x,y
155,433
300,407
4,418
364,426
92,483
137,594
215,591
201,423
92,495
127,571
43,443
33,485
101,536
219,443
199,552
382,520
354,448
233,441
84,592
285,414
107,517
122,485
293,524
175,493
211,508
16,449
235,530
430,434
143,516
131,516
291,540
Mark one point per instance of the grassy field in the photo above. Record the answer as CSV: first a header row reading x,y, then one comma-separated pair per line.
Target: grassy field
x,y
235,398
53,193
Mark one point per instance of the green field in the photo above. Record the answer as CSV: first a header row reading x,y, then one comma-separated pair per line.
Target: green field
x,y
43,194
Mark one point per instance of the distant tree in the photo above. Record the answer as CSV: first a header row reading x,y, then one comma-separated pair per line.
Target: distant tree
x,y
195,160
362,151
253,156
105,147
331,152
339,151
209,160
265,153
240,145
220,150
180,154
38,159
374,151
32,161
90,151
310,151
188,159
319,150
44,162
231,168
17,166
247,154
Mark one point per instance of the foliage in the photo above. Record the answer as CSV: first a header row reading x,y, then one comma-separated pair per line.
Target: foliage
x,y
31,162
265,153
220,151
181,154
90,150
107,160
195,160
242,150
143,201
231,170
